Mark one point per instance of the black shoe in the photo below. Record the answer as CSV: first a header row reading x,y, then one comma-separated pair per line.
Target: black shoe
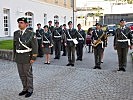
x,y
28,94
45,63
101,61
48,63
63,55
121,69
55,58
77,59
68,64
72,64
80,59
95,67
23,93
99,67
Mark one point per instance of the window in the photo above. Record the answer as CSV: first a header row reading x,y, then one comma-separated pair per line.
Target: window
x,y
56,18
29,16
64,2
45,19
71,18
6,18
71,1
56,1
64,19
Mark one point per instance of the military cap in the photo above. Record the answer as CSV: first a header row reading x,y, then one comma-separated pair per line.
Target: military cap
x,y
38,24
98,24
70,22
122,20
64,24
56,22
46,26
50,21
22,19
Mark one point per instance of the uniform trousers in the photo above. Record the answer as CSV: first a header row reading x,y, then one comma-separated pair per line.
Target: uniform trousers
x,y
122,57
71,54
26,76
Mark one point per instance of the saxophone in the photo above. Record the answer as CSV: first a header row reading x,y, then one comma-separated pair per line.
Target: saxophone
x,y
97,42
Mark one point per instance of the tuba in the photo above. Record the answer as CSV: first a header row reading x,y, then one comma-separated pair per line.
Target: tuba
x,y
97,42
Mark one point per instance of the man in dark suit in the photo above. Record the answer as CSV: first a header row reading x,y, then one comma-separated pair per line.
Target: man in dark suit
x,y
25,50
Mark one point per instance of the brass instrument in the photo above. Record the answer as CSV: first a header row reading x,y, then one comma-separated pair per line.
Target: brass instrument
x,y
97,42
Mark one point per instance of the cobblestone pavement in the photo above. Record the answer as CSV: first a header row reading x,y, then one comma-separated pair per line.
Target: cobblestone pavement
x,y
59,82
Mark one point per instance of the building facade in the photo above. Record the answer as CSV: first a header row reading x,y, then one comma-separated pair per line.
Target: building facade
x,y
37,11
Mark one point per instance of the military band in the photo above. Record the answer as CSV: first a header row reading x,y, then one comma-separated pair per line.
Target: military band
x,y
28,45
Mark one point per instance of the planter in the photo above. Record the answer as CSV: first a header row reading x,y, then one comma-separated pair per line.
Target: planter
x,y
6,54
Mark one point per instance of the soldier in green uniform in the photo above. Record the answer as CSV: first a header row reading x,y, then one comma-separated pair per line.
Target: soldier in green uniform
x,y
98,42
39,33
51,29
81,42
25,53
57,37
70,42
63,40
122,41
47,44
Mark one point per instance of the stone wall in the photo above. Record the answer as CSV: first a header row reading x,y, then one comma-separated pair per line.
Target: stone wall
x,y
6,54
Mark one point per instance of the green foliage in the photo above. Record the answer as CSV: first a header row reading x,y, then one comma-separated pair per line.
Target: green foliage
x,y
6,44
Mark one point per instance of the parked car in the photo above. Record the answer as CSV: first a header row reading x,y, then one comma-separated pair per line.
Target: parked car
x,y
130,25
111,29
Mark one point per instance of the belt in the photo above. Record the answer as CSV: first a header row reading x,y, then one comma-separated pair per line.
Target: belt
x,y
70,39
46,42
39,38
122,40
81,39
57,36
23,51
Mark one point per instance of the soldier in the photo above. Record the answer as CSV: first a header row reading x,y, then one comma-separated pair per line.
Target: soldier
x,y
25,50
51,29
47,44
98,42
63,39
70,42
39,33
122,41
81,42
57,37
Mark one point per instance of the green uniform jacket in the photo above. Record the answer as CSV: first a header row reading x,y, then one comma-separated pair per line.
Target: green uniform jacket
x,y
29,39
119,36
